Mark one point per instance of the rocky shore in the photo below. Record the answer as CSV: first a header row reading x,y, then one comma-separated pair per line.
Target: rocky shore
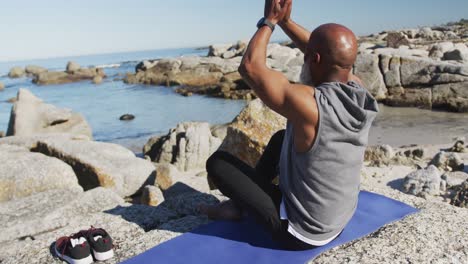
x,y
425,68
73,73
55,181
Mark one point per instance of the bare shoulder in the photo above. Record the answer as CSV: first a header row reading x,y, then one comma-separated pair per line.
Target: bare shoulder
x,y
301,100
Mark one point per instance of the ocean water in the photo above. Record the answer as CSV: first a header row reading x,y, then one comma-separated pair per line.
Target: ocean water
x,y
157,109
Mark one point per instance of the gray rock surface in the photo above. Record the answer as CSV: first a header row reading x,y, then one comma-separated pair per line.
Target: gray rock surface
x,y
187,146
30,116
367,69
24,173
423,182
101,164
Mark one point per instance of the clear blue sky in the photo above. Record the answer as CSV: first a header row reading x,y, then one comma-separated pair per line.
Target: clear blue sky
x,y
51,28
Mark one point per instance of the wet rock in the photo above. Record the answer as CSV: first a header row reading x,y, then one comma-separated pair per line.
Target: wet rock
x,y
448,161
2,86
97,79
423,182
460,195
12,100
409,97
16,72
127,117
152,196
187,146
25,173
30,116
251,130
57,77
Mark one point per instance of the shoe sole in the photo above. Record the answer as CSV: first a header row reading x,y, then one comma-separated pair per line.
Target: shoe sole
x,y
87,260
102,256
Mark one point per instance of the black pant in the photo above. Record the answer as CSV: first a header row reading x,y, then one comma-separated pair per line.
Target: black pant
x,y
252,189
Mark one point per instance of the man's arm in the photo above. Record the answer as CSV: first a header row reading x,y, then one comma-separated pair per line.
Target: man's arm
x,y
298,34
293,101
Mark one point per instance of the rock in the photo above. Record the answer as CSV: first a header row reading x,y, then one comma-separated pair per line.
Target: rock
x,y
219,131
379,155
35,70
72,67
397,39
403,51
101,164
16,72
145,65
187,146
97,79
218,49
423,182
390,67
165,173
152,196
438,50
451,96
367,69
24,173
460,196
2,134
459,146
425,72
48,78
127,117
448,161
12,100
30,115
2,86
457,55
251,130
49,210
415,97
454,178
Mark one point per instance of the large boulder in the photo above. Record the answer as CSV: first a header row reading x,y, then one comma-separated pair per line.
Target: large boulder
x,y
397,39
101,164
187,146
448,161
451,96
24,173
16,72
58,77
72,67
35,70
30,115
367,69
250,132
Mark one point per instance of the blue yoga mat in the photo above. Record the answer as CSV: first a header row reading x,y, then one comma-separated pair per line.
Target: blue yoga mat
x,y
246,242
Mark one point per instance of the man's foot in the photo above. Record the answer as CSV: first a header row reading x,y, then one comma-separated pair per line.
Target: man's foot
x,y
225,210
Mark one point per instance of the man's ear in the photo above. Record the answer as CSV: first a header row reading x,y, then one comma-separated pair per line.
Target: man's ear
x,y
316,58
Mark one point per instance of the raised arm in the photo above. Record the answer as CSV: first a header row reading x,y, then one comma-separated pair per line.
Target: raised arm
x,y
292,101
298,34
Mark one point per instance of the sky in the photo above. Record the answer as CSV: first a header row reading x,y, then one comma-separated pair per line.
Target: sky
x,y
31,29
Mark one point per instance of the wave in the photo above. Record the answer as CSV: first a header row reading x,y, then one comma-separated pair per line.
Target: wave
x,y
112,65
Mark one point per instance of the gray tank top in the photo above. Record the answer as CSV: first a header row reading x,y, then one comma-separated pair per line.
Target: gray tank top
x,y
320,187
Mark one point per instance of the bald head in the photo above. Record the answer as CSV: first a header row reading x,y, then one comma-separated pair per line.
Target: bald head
x,y
336,45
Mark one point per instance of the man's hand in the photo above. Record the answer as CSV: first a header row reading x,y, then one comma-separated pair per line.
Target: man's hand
x,y
277,10
287,15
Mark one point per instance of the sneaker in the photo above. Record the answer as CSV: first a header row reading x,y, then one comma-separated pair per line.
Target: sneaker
x,y
100,242
73,249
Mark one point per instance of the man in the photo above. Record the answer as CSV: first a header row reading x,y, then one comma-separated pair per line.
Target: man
x,y
320,153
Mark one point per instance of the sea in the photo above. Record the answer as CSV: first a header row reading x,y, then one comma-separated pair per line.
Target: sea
x,y
157,109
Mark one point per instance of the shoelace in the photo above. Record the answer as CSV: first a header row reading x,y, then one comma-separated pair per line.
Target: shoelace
x,y
67,240
105,240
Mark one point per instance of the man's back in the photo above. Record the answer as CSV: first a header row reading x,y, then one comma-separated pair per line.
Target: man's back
x,y
320,187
